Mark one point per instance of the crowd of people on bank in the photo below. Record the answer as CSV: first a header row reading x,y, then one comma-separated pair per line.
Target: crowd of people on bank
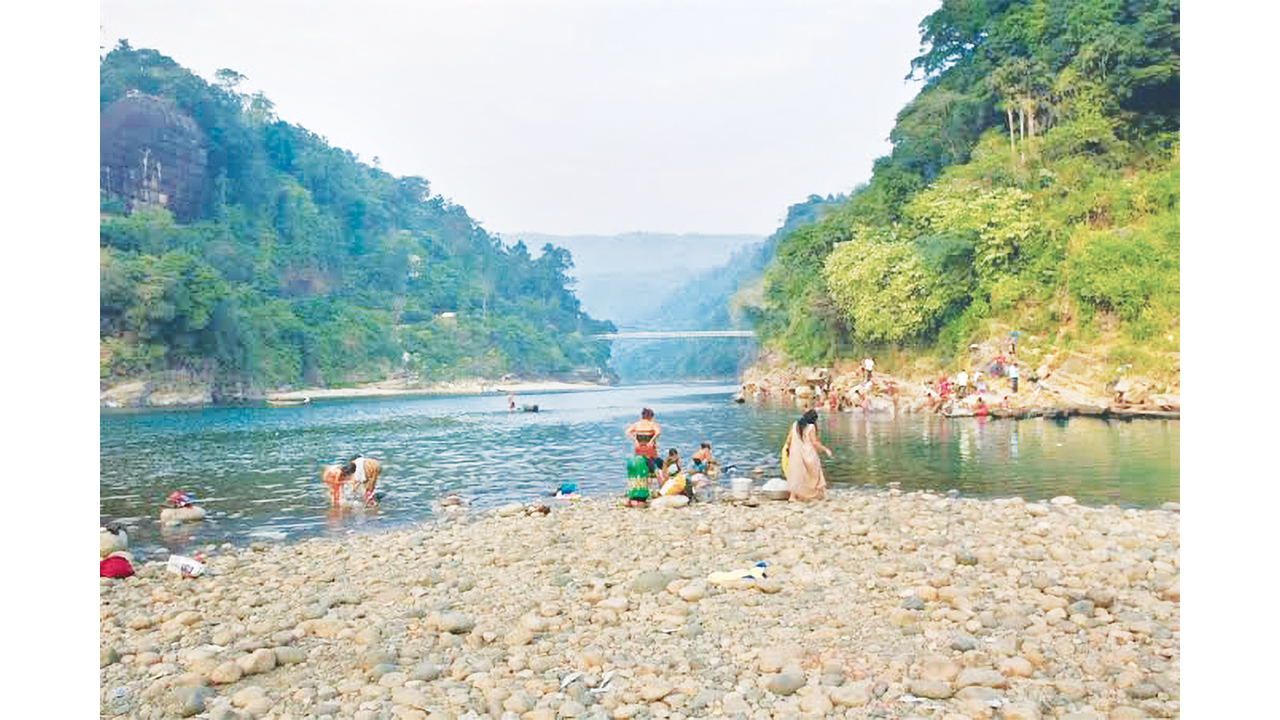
x,y
981,382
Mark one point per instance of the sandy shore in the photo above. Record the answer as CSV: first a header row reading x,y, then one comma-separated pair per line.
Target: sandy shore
x,y
874,605
441,388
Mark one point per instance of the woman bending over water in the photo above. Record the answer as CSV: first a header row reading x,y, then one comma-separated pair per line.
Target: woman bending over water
x,y
356,480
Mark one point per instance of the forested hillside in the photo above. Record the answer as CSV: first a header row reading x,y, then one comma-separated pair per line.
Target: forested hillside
x,y
721,298
291,262
1033,185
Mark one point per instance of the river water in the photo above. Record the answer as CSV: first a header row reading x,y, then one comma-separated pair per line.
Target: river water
x,y
256,470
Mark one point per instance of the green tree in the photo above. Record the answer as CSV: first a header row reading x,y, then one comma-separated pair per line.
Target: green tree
x,y
998,222
885,291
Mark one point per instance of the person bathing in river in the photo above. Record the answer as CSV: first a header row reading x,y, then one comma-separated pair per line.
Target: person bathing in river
x,y
353,482
801,463
702,459
645,433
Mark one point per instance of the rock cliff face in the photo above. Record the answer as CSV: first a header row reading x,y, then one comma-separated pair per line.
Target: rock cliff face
x,y
153,154
147,394
176,388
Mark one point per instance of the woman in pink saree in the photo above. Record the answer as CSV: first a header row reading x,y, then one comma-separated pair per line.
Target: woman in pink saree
x,y
800,461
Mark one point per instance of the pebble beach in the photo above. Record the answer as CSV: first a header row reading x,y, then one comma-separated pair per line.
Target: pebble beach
x,y
870,604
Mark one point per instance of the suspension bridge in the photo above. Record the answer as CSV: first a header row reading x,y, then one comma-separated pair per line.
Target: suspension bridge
x,y
663,335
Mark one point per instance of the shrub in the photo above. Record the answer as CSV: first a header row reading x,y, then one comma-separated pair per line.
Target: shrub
x,y
886,291
1124,271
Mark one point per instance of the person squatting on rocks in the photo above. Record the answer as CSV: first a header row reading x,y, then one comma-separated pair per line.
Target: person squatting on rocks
x,y
352,483
675,483
800,461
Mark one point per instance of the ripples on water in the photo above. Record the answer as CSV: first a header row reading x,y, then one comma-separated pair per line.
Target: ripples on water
x,y
256,470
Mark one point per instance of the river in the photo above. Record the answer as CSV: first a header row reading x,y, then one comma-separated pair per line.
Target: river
x,y
256,470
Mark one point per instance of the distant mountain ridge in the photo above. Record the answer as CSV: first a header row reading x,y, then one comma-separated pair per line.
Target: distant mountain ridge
x,y
627,277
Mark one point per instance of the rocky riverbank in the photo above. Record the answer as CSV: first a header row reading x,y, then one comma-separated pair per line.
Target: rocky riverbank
x,y
1053,385
875,604
143,393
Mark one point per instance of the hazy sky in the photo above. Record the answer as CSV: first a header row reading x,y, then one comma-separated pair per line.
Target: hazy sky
x,y
572,116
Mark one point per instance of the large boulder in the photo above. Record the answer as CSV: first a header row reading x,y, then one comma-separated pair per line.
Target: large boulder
x,y
130,394
113,539
879,404
1136,392
180,396
173,516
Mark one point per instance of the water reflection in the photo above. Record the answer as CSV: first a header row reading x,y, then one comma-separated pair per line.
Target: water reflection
x,y
256,470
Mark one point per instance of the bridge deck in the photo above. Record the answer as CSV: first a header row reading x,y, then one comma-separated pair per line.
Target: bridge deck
x,y
655,335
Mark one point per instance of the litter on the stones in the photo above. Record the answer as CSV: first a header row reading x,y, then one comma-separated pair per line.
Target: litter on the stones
x,y
185,566
604,684
734,577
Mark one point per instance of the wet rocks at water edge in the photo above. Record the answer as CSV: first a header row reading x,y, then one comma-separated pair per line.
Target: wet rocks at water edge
x,y
932,607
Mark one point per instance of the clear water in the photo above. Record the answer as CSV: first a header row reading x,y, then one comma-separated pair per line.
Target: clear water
x,y
257,470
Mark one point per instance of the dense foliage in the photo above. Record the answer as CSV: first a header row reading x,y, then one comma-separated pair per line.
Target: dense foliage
x,y
307,266
1033,183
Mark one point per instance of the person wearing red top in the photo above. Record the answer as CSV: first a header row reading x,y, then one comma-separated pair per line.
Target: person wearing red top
x,y
645,433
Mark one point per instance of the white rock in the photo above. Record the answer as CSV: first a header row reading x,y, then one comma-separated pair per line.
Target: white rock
x,y
247,695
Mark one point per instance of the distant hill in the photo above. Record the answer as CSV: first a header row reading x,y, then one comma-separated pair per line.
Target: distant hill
x,y
727,296
626,278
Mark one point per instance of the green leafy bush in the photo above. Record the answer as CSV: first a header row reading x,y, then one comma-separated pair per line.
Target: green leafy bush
x,y
885,291
998,221
1125,270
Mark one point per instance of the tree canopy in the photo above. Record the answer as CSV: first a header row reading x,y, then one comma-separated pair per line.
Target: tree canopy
x,y
1034,177
308,266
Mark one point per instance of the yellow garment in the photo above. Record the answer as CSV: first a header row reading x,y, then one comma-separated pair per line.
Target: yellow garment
x,y
786,446
674,485
737,578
